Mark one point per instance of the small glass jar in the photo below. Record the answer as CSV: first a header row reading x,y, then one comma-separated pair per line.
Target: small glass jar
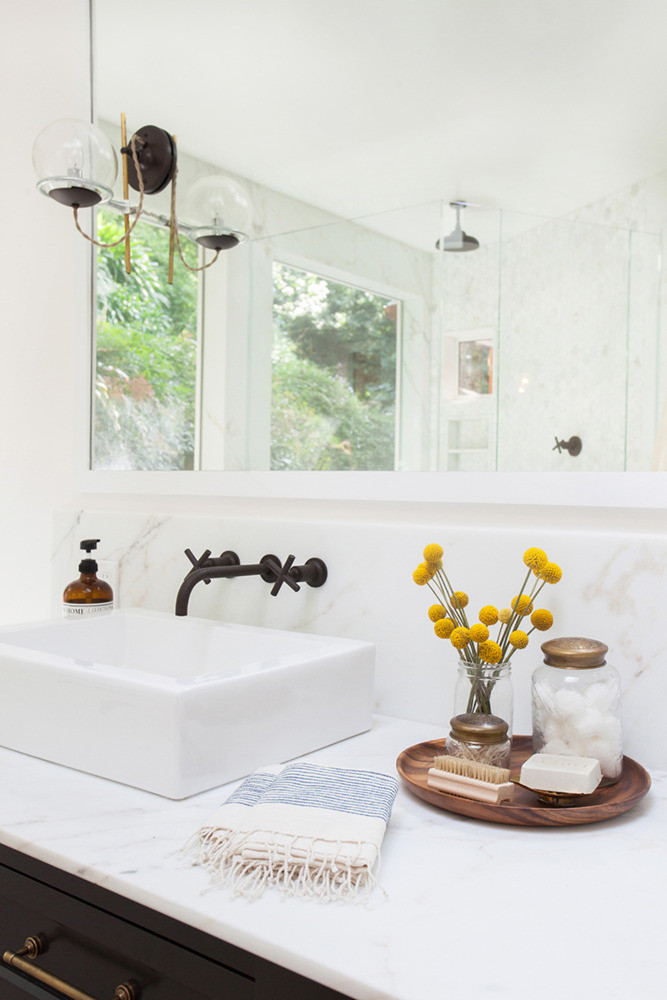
x,y
576,704
481,738
485,688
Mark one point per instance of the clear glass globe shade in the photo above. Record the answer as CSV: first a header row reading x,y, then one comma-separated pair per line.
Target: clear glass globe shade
x,y
218,202
74,156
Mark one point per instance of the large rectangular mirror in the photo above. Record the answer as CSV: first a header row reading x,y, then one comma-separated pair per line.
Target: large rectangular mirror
x,y
344,335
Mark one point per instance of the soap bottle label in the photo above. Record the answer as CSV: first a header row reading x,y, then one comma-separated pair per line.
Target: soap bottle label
x,y
87,610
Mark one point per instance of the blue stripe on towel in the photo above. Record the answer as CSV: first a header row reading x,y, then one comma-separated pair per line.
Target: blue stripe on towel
x,y
250,791
362,793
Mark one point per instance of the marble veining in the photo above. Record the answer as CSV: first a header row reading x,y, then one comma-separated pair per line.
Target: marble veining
x,y
612,590
598,889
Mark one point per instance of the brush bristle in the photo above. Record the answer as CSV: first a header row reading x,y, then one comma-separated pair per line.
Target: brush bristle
x,y
472,769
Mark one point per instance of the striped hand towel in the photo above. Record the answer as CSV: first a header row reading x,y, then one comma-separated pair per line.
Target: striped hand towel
x,y
306,829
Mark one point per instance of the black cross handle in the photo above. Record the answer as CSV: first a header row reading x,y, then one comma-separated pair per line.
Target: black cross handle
x,y
281,574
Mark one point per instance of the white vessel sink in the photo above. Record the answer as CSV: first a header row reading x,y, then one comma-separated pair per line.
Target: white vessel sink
x,y
177,705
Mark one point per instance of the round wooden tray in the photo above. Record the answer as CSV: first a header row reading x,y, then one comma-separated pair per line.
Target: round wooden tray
x,y
604,803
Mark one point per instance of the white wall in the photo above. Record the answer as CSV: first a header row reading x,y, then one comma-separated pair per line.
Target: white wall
x,y
44,71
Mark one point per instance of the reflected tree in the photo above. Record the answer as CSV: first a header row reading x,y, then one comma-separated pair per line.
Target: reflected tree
x,y
334,374
146,353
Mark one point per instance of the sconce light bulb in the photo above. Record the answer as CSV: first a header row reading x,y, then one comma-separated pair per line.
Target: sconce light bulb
x,y
217,210
74,155
75,163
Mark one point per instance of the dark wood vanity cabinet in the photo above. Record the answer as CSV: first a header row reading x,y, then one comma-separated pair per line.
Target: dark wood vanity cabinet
x,y
97,940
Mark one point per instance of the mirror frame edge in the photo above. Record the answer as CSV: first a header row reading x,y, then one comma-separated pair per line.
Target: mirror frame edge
x,y
638,490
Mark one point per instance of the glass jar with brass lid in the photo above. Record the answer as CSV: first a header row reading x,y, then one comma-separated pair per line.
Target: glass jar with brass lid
x,y
479,737
485,688
576,704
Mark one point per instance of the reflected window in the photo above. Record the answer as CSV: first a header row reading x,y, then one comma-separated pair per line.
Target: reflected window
x,y
146,352
475,367
333,402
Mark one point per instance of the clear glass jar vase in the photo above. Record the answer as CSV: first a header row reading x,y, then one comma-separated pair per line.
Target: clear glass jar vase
x,y
576,704
485,688
481,738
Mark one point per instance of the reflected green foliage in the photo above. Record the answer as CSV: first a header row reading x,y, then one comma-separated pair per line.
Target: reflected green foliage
x,y
146,353
334,375
475,360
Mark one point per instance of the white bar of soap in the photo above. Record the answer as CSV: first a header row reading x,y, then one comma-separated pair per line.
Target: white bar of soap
x,y
550,772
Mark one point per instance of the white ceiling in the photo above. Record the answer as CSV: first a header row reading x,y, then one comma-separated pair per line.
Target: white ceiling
x,y
360,106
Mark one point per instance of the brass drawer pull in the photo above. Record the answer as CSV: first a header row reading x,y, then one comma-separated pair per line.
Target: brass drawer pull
x,y
37,945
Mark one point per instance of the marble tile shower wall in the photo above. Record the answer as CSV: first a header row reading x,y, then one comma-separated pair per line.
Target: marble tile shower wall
x,y
612,589
576,302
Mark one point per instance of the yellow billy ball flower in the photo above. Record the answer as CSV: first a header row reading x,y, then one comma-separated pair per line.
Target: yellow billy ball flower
x,y
421,575
479,633
436,612
551,572
535,559
542,619
488,615
444,627
490,651
519,639
522,604
459,599
504,615
460,638
433,553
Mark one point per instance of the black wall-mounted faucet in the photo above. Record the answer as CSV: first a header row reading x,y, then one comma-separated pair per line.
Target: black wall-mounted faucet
x,y
269,568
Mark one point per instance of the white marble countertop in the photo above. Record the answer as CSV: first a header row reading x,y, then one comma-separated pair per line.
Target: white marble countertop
x,y
474,909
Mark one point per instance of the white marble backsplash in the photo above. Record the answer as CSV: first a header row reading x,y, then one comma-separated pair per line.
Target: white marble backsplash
x,y
612,589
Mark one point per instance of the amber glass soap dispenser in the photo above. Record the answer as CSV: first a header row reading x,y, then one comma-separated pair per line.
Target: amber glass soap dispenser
x,y
87,597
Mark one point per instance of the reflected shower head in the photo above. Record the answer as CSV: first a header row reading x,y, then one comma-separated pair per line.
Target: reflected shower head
x,y
458,241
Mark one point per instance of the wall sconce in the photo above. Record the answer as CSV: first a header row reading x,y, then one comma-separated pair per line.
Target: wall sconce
x,y
76,165
218,210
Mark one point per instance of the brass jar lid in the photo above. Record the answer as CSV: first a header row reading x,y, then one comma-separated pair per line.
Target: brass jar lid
x,y
474,727
574,653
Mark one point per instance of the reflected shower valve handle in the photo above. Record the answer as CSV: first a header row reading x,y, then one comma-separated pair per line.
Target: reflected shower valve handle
x,y
573,446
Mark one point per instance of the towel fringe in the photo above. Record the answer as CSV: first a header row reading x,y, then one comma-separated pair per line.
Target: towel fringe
x,y
327,879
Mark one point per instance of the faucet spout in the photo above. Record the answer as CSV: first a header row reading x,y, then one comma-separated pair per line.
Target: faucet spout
x,y
211,572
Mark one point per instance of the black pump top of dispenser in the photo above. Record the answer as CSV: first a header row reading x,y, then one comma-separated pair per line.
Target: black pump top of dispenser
x,y
88,565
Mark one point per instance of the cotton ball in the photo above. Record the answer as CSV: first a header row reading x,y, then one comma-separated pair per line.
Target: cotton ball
x,y
555,746
554,728
610,759
610,730
600,695
568,703
607,753
590,723
570,723
592,747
